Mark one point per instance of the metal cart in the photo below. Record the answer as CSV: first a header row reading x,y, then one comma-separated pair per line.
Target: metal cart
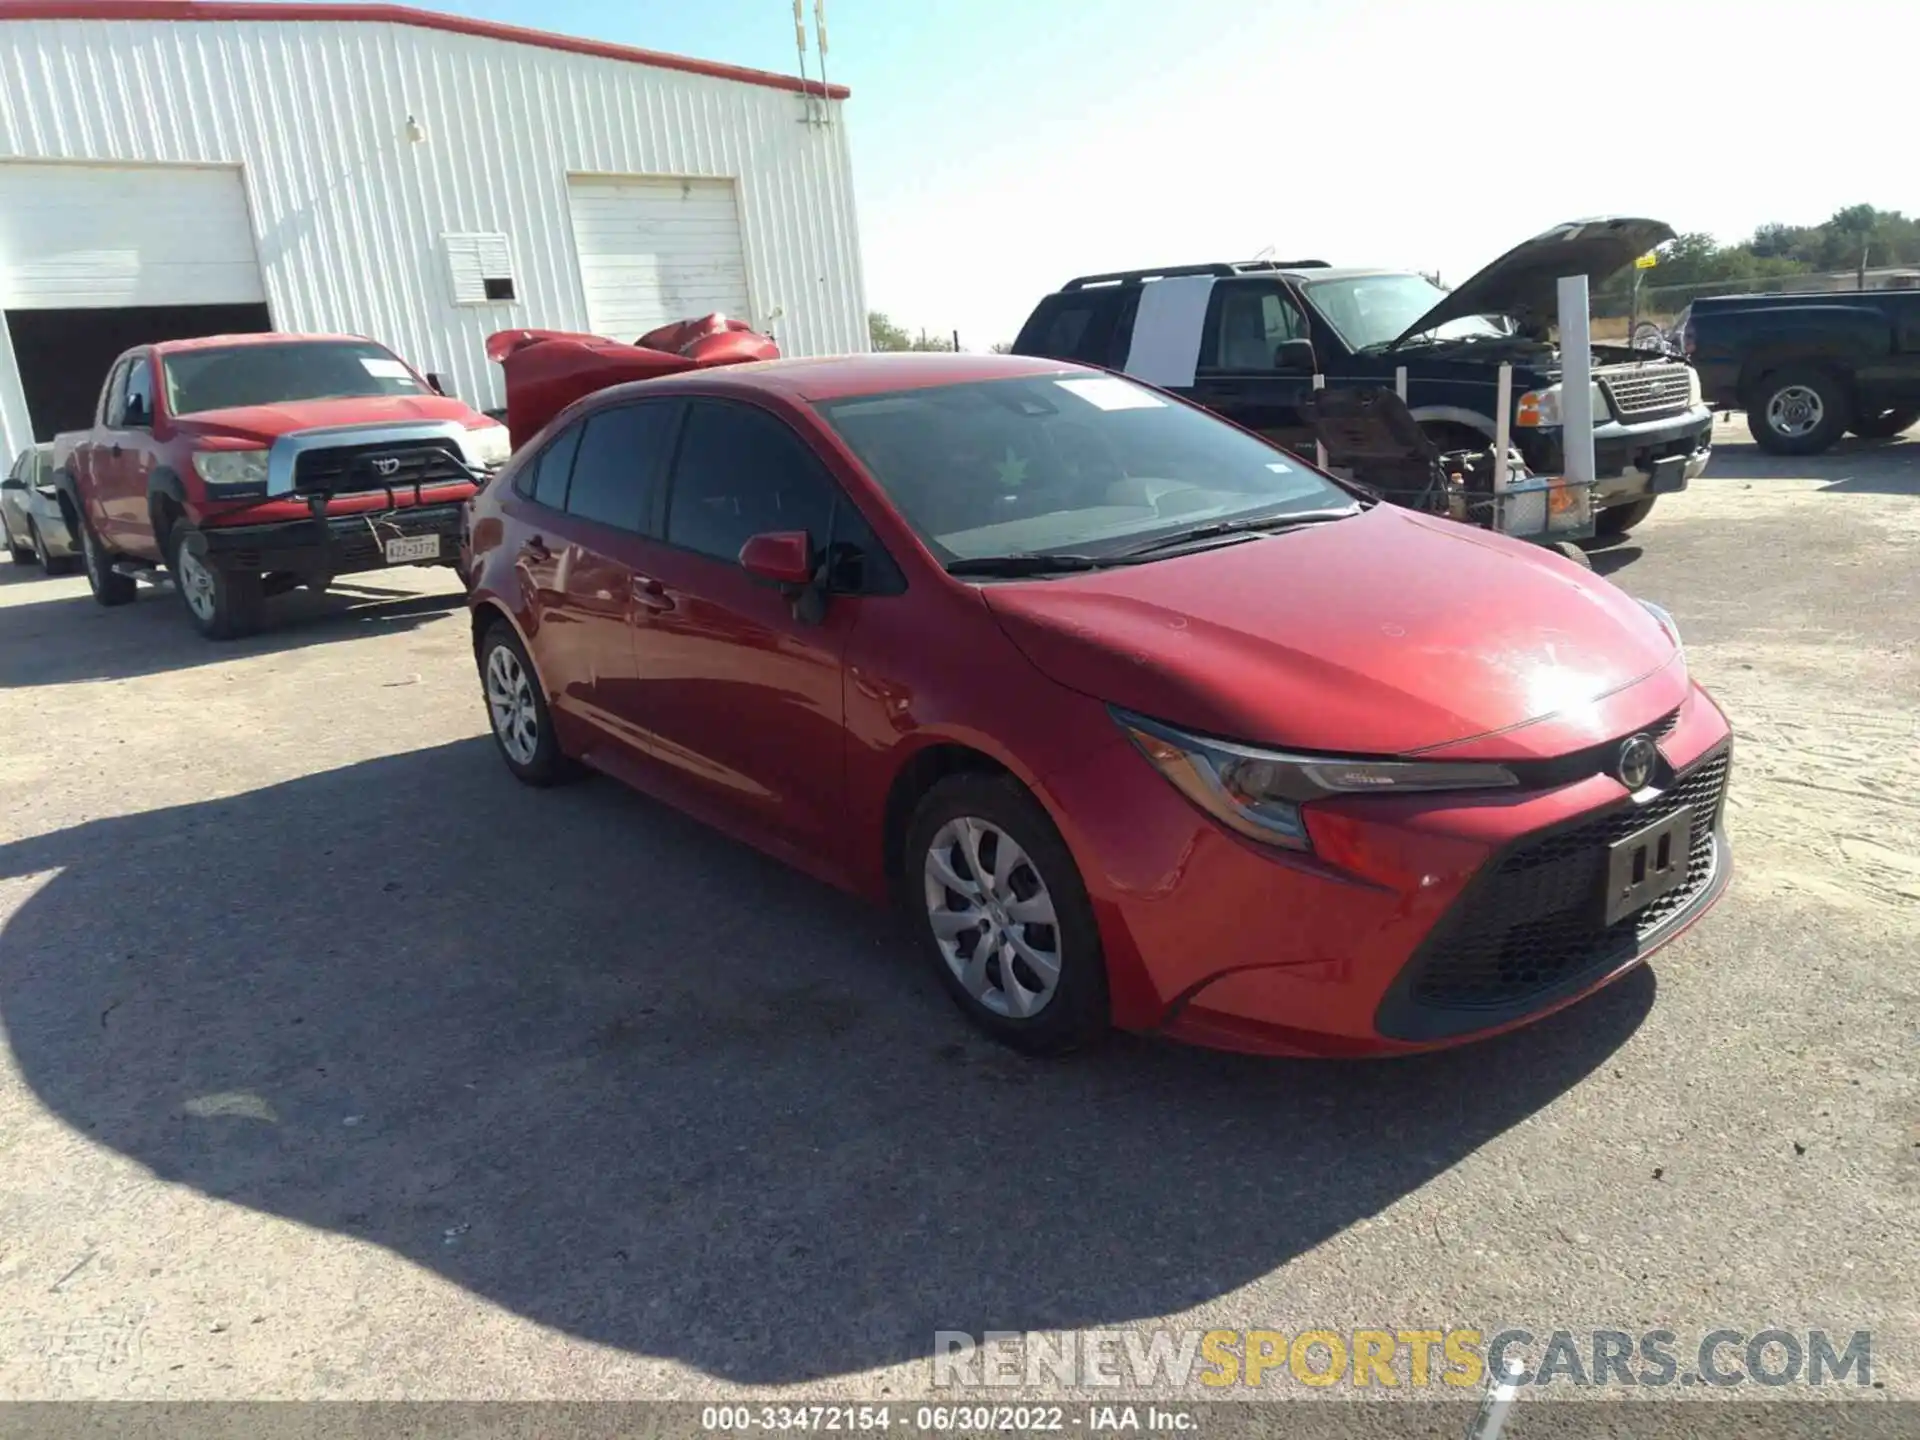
x,y
1370,437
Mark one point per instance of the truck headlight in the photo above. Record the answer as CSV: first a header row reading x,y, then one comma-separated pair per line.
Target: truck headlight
x,y
489,446
232,472
1542,408
1259,792
1694,397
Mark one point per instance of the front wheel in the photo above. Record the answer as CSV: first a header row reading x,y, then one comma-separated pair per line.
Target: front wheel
x,y
1001,907
1884,424
1799,411
1619,519
221,604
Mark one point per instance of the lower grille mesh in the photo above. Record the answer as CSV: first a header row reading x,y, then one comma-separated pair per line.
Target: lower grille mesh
x,y
1536,921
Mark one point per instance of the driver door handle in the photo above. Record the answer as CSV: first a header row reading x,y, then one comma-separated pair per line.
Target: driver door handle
x,y
536,549
651,594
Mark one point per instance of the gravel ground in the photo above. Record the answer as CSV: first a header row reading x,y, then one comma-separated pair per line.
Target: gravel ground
x,y
336,1064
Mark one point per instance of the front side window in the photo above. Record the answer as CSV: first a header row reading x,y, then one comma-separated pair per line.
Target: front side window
x,y
741,472
616,470
545,481
116,393
1250,323
226,377
1090,464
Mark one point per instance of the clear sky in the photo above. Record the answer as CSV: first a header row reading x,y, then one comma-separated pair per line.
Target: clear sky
x,y
1002,146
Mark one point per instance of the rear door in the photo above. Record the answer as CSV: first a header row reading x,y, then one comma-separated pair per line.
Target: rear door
x,y
593,492
1241,374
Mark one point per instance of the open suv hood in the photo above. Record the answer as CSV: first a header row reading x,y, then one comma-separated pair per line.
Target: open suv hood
x,y
1523,282
547,370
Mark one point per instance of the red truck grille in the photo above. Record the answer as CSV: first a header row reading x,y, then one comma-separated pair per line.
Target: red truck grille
x,y
351,469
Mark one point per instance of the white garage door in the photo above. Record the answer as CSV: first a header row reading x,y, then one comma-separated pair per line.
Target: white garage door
x,y
653,251
86,237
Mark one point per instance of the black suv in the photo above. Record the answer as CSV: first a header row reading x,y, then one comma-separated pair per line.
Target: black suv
x,y
1246,339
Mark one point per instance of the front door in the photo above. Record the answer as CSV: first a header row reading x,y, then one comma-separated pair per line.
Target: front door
x,y
743,698
1243,373
130,457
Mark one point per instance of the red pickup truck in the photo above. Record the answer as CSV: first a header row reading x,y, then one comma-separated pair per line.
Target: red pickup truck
x,y
246,465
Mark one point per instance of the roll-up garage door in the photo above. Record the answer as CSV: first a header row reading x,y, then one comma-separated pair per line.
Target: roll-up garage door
x,y
656,250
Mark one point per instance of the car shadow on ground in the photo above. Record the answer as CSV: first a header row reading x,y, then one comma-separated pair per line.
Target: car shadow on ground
x,y
1874,467
615,1073
68,637
1609,556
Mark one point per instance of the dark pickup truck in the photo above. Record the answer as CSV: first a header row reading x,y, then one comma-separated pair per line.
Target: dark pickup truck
x,y
1246,339
1809,368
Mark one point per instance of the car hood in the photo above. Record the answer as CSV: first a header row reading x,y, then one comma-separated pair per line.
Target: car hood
x,y
1524,281
1385,634
268,422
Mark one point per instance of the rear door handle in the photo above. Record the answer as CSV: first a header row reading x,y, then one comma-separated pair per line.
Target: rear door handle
x,y
651,593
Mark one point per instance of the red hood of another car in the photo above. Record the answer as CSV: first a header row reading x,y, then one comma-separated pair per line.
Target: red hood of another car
x,y
1380,635
267,422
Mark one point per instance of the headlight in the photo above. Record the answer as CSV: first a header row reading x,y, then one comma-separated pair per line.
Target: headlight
x,y
1259,792
1539,408
232,472
489,446
1666,623
1694,398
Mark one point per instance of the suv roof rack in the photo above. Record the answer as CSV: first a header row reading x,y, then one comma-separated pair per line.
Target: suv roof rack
x,y
1164,272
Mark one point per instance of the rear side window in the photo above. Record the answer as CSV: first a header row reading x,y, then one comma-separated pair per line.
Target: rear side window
x,y
116,396
545,481
1091,326
1247,322
742,472
616,469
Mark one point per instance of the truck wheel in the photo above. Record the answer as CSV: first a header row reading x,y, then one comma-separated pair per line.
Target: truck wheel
x,y
1886,424
222,604
108,585
1799,411
1619,519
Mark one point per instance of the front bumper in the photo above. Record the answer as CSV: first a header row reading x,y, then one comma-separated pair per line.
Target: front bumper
x,y
335,544
1627,458
1422,921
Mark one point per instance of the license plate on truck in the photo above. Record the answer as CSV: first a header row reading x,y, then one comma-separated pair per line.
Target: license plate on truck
x,y
413,547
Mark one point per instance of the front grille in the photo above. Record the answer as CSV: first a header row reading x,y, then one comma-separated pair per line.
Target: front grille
x,y
354,469
1664,726
1645,392
1535,922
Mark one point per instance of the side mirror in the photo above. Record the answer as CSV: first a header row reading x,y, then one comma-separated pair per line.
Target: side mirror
x,y
780,557
1295,355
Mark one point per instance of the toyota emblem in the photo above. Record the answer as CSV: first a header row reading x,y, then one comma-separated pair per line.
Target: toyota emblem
x,y
386,466
1637,757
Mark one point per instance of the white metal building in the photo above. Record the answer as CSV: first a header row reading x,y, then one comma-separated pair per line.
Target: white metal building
x,y
172,168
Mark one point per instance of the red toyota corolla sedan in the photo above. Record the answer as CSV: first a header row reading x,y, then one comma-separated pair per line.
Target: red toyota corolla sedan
x,y
1150,724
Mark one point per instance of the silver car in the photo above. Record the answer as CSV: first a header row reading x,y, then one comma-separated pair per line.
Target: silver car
x,y
36,531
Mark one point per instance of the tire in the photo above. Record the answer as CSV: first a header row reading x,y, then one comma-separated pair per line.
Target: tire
x,y
220,604
1800,410
1619,519
108,586
980,814
1884,425
517,711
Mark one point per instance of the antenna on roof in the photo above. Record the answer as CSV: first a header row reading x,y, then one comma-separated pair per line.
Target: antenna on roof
x,y
1265,252
820,36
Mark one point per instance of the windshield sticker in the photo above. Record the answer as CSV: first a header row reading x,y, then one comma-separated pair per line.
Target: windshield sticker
x,y
386,369
1110,394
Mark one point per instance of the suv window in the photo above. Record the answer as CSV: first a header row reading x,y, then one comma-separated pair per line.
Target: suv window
x,y
1246,322
741,472
545,480
138,409
116,393
616,467
1092,326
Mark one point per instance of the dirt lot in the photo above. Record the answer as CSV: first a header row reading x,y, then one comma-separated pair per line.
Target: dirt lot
x,y
336,1064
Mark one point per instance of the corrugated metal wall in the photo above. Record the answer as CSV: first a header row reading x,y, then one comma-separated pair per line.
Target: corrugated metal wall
x,y
348,212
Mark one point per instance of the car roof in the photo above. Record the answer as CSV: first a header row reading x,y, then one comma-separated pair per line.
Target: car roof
x,y
267,337
838,377
1304,272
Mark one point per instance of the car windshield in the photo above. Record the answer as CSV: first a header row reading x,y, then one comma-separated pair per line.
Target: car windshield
x,y
1080,463
227,377
1375,310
